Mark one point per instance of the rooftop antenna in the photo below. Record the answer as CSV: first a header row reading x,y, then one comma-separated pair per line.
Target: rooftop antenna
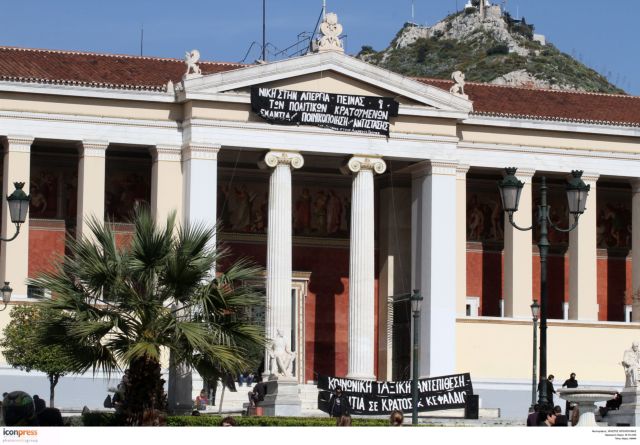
x,y
413,11
264,30
141,38
324,9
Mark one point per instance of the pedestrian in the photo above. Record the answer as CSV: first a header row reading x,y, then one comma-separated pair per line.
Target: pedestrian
x,y
18,409
38,403
532,418
228,421
202,401
339,404
258,393
561,419
344,421
612,404
571,382
548,418
396,418
547,388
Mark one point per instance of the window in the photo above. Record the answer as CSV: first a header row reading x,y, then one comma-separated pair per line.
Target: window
x,y
38,293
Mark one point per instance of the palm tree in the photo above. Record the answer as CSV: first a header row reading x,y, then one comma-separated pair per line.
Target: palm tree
x,y
120,308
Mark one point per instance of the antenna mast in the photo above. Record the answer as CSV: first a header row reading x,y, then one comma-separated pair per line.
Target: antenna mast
x,y
264,30
324,9
141,38
413,11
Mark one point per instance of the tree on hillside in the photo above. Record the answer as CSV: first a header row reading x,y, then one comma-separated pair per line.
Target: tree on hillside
x,y
21,349
117,308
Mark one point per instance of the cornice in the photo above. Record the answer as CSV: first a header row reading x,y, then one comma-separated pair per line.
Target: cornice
x,y
17,143
201,151
169,153
74,118
94,149
444,167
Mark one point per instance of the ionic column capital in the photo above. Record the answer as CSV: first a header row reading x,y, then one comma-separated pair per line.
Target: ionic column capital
x,y
360,163
276,157
93,149
171,153
200,150
17,143
525,175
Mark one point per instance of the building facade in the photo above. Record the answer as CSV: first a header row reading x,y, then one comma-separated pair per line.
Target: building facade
x,y
344,220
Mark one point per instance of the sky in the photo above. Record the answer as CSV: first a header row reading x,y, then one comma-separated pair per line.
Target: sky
x,y
603,34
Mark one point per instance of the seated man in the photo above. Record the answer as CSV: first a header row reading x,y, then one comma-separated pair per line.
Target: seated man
x,y
612,404
258,393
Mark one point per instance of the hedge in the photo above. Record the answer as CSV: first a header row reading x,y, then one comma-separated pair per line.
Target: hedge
x,y
109,419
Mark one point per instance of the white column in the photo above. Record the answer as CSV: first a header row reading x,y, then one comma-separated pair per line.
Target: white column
x,y
518,254
362,335
433,258
279,245
583,265
166,182
461,239
91,183
200,172
635,250
14,255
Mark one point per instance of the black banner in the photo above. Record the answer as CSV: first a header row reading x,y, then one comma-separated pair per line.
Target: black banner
x,y
344,112
368,397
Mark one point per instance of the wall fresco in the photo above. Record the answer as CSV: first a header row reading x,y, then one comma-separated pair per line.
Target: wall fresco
x,y
614,218
54,190
317,211
485,220
127,184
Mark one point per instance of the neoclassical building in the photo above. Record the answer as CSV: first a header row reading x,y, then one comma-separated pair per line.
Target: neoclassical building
x,y
345,217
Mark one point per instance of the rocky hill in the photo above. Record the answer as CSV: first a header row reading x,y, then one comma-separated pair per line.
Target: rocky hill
x,y
488,46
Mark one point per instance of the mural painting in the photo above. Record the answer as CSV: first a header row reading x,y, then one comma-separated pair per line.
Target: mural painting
x,y
485,221
316,211
558,214
613,219
127,185
54,190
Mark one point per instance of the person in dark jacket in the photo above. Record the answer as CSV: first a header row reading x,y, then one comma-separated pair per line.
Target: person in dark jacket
x,y
532,418
561,419
339,404
547,387
258,393
571,382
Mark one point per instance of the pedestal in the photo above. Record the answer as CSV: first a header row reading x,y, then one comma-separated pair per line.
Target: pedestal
x,y
282,398
629,412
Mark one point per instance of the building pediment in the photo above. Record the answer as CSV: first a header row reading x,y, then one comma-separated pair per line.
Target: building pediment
x,y
329,72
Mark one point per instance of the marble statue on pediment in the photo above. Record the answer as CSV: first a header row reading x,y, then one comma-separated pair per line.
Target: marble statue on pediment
x,y
330,30
281,356
457,88
191,58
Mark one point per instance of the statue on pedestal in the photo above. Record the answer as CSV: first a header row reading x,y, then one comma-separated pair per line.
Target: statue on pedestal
x,y
281,356
631,365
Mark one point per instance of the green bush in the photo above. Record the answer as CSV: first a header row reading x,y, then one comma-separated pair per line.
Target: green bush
x,y
99,419
110,419
269,421
498,49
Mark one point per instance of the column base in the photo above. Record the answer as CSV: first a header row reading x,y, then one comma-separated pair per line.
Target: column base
x,y
283,397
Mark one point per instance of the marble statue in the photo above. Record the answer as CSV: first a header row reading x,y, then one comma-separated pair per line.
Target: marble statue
x,y
631,365
458,87
330,30
191,59
281,356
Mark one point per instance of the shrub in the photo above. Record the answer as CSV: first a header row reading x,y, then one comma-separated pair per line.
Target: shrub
x,y
269,421
498,49
100,419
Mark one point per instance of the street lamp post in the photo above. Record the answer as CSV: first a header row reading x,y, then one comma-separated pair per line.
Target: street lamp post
x,y
577,192
535,311
18,203
416,303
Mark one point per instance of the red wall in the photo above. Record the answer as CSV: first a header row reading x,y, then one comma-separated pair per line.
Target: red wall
x,y
327,304
46,245
614,286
